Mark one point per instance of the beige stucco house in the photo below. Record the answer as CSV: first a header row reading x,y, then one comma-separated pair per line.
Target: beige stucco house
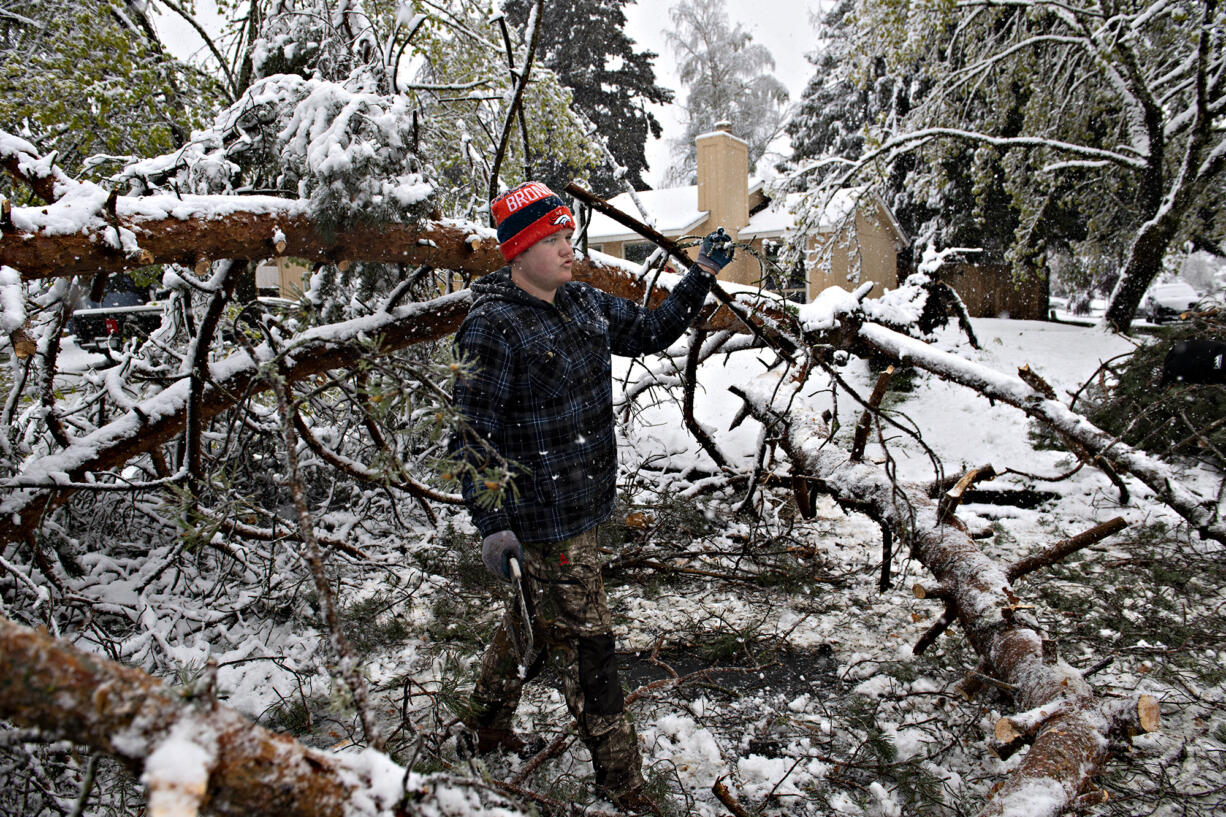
x,y
858,238
281,276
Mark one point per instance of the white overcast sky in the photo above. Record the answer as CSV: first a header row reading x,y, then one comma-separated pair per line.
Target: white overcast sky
x,y
783,26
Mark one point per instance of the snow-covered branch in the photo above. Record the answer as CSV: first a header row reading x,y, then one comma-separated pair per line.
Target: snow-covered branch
x,y
1070,724
1199,511
192,746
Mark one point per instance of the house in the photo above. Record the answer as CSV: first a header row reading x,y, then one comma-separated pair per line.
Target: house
x,y
858,239
284,277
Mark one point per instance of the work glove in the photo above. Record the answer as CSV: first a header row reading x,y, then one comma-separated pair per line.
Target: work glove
x,y
497,551
716,251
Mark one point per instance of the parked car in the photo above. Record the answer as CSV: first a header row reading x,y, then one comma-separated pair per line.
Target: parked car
x,y
1166,302
125,311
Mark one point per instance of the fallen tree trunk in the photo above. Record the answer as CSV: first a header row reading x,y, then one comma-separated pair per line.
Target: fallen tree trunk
x,y
1072,726
254,228
85,231
51,479
245,770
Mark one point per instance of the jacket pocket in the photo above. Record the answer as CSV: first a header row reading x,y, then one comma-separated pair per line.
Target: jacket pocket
x,y
547,371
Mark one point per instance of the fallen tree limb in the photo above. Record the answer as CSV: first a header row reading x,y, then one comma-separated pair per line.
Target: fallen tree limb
x,y
128,715
1071,745
1200,512
48,481
1057,552
195,229
161,418
775,341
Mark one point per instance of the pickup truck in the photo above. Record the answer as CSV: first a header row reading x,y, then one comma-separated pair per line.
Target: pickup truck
x,y
125,311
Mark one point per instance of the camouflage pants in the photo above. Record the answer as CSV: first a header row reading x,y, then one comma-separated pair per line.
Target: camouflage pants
x,y
573,629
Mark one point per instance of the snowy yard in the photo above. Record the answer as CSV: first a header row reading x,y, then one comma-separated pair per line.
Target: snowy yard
x,y
757,648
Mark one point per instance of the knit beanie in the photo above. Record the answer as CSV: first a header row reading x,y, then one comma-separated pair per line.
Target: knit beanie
x,y
527,214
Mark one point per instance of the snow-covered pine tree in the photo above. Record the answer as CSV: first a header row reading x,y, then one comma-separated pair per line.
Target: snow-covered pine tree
x,y
945,194
462,67
87,80
1095,144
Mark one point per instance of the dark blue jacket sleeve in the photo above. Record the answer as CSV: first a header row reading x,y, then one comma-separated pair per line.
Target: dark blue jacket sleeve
x,y
637,330
479,396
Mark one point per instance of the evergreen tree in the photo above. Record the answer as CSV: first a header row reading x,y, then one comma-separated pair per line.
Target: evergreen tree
x,y
835,108
729,80
585,43
952,195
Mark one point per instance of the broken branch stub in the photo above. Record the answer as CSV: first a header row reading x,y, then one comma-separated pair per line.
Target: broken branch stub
x,y
866,417
952,498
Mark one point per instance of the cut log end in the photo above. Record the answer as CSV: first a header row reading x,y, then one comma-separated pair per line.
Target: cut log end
x,y
1149,714
930,591
1005,732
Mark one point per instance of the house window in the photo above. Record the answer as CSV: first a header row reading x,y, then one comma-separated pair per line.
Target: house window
x,y
637,251
792,283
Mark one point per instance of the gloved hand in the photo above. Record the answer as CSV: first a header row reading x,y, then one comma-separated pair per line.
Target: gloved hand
x,y
498,549
716,251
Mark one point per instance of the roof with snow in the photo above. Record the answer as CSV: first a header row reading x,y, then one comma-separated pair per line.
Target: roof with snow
x,y
674,212
777,217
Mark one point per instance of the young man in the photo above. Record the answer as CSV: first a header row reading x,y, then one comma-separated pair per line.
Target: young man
x,y
540,395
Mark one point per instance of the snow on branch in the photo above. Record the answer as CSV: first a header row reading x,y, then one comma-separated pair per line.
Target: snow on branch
x,y
1199,511
914,139
23,161
193,750
1070,725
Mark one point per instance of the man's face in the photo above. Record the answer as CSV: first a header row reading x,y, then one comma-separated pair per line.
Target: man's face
x,y
545,266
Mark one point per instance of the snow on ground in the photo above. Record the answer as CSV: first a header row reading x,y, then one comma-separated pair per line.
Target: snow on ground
x,y
843,718
822,707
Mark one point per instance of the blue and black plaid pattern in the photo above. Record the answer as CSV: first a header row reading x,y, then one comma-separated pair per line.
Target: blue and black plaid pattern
x,y
540,393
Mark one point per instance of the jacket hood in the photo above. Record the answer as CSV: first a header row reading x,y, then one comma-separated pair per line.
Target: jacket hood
x,y
498,286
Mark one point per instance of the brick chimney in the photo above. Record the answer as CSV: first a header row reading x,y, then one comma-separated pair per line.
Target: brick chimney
x,y
723,190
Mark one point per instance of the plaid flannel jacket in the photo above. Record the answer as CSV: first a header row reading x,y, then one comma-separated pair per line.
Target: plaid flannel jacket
x,y
540,394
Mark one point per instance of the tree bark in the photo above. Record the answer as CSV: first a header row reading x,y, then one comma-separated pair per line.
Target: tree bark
x,y
1071,743
245,231
74,696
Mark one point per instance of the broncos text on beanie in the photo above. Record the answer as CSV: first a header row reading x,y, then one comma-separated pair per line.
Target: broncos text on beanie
x,y
527,214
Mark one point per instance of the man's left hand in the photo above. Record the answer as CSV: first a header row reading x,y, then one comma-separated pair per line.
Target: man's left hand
x,y
716,251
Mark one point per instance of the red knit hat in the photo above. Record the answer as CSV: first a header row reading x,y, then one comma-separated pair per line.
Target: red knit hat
x,y
527,214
